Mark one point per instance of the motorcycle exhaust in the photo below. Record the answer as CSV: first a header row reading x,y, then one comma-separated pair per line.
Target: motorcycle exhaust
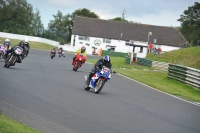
x,y
85,78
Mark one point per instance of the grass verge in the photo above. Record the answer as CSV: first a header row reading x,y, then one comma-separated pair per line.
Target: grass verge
x,y
154,78
7,125
36,45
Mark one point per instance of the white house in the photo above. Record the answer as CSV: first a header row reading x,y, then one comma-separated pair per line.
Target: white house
x,y
123,36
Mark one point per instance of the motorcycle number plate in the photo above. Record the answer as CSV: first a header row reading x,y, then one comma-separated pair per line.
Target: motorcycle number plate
x,y
18,51
105,69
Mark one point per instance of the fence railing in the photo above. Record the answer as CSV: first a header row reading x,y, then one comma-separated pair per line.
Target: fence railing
x,y
184,74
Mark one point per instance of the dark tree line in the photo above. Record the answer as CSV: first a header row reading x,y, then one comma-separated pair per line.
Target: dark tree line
x,y
190,24
18,16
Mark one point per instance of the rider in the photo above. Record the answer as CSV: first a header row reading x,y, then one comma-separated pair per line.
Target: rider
x,y
21,44
7,43
27,45
61,50
105,61
54,48
82,50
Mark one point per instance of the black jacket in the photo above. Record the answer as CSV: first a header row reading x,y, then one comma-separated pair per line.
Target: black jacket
x,y
27,45
101,63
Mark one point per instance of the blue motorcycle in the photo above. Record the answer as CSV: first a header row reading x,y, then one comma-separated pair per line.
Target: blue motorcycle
x,y
98,80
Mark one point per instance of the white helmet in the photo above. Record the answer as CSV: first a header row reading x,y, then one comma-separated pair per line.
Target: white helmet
x,y
7,40
26,40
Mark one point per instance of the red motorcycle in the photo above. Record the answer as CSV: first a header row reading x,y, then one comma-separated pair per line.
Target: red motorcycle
x,y
53,53
80,59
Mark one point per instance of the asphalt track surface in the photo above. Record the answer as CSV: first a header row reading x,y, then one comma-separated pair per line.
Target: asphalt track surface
x,y
47,95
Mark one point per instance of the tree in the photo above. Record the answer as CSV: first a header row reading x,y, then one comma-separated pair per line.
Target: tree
x,y
80,12
59,26
36,27
119,19
15,16
190,23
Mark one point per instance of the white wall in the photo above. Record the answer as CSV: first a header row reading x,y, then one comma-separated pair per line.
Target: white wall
x,y
120,45
30,38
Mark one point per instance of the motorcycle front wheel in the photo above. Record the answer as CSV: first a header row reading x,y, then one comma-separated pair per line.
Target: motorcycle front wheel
x,y
99,85
10,61
77,65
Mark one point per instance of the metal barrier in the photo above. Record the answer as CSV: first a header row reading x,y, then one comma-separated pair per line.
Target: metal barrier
x,y
184,74
144,62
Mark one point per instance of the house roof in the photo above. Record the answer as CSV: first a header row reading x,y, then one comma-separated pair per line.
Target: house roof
x,y
130,31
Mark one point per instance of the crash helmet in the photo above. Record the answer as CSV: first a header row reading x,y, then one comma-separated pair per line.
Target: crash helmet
x,y
21,44
83,48
106,59
7,40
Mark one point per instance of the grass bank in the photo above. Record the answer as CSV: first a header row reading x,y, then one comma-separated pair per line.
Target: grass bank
x,y
186,56
36,45
7,125
154,78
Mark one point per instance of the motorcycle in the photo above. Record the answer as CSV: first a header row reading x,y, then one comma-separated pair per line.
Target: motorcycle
x,y
53,53
2,51
78,62
99,79
13,56
61,53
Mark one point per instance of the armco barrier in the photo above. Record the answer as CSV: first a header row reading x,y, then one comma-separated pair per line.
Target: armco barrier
x,y
184,74
144,62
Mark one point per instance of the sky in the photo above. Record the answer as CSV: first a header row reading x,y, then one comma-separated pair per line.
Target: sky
x,y
152,12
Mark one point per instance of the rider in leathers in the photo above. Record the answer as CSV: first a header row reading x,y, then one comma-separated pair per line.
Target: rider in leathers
x,y
101,62
21,44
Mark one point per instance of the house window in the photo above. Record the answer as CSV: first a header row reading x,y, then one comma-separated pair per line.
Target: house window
x,y
141,50
106,40
127,43
86,38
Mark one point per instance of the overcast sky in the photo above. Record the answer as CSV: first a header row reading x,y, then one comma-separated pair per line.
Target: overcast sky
x,y
153,12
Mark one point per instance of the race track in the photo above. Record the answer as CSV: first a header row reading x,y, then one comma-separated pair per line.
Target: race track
x,y
47,95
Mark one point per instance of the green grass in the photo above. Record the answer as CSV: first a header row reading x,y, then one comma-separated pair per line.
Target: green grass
x,y
36,45
7,125
187,57
154,78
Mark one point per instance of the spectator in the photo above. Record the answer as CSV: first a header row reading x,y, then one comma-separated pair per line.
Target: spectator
x,y
150,47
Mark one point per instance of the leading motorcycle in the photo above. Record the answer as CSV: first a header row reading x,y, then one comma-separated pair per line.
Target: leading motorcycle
x,y
99,79
13,56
